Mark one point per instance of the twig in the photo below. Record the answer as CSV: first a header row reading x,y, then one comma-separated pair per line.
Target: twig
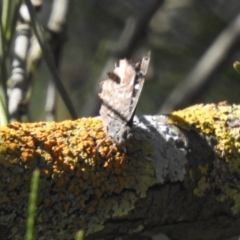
x,y
49,60
184,93
50,106
17,84
56,27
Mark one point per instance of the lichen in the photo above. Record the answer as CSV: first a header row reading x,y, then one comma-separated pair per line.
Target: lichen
x,y
220,122
158,141
82,171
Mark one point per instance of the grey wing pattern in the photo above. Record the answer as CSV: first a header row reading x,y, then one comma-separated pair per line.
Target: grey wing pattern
x,y
141,70
120,95
117,92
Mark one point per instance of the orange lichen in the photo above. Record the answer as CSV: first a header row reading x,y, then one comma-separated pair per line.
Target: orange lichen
x,y
78,166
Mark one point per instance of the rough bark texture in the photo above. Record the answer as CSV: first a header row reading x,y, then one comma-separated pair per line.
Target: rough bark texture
x,y
178,175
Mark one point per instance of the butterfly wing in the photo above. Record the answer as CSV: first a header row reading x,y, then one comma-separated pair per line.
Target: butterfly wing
x,y
117,92
120,95
141,70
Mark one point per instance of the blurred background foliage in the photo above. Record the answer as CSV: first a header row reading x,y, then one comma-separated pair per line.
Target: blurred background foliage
x,y
177,33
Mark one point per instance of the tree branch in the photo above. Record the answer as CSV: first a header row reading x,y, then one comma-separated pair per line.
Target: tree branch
x,y
201,74
179,175
56,27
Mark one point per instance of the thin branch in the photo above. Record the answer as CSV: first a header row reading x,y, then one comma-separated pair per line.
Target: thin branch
x,y
58,15
13,21
56,27
212,59
50,105
49,60
18,84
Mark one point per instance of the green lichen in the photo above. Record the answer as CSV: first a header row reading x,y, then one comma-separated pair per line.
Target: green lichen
x,y
222,122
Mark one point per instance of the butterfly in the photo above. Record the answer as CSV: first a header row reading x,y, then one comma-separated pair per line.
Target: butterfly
x,y
120,95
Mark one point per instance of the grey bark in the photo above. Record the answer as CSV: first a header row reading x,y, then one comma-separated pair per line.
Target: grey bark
x,y
159,196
